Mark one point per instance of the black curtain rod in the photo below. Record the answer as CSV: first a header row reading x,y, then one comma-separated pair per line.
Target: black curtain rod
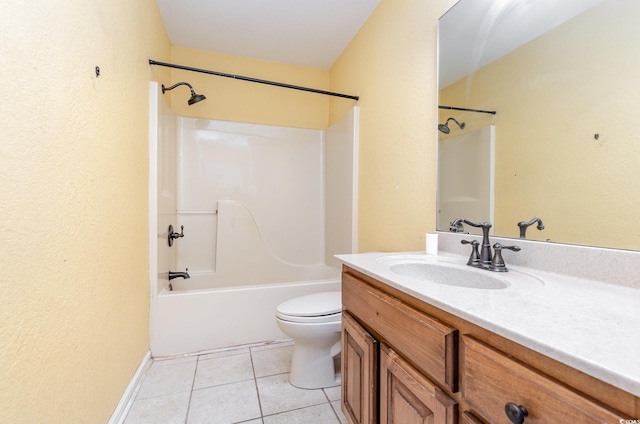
x,y
240,77
492,112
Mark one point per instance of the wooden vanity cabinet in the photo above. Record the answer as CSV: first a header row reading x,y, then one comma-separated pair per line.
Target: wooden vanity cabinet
x,y
493,380
407,396
378,384
402,363
359,368
429,344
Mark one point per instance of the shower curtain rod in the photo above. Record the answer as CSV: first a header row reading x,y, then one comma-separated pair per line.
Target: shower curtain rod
x,y
492,112
260,81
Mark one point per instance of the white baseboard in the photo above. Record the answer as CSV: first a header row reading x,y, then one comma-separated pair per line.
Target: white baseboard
x,y
129,395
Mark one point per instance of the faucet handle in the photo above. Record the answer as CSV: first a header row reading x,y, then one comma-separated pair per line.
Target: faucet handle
x,y
497,263
474,259
171,235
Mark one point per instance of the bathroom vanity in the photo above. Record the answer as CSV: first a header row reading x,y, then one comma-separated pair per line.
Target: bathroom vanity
x,y
416,349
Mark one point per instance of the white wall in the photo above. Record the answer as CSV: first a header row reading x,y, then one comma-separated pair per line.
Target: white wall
x,y
275,171
162,198
341,186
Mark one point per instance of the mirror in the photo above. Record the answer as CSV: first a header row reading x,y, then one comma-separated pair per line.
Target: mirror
x,y
564,80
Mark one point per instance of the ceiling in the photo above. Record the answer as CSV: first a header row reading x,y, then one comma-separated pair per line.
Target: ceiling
x,y
299,32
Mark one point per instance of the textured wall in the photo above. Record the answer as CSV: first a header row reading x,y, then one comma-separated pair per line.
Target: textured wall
x,y
391,63
73,204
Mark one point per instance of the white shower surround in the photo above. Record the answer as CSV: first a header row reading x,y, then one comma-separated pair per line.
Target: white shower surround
x,y
265,208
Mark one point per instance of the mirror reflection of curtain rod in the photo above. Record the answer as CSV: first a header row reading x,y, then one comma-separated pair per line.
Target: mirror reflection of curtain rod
x,y
492,112
240,77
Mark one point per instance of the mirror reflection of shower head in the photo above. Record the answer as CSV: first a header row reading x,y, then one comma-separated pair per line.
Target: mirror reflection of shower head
x,y
444,128
195,98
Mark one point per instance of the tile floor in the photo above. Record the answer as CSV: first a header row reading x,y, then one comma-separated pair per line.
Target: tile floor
x,y
246,385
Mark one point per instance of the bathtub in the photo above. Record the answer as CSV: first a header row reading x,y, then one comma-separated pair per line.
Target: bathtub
x,y
204,313
253,237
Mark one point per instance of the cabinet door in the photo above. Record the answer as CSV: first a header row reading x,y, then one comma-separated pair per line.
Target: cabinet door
x,y
407,397
359,372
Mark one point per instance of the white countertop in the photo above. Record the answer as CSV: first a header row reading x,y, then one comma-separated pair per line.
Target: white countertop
x,y
588,325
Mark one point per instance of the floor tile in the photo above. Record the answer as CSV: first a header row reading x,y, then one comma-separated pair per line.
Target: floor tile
x,y
223,352
333,393
234,386
226,404
274,345
165,378
278,395
164,409
158,362
318,414
337,407
223,370
274,361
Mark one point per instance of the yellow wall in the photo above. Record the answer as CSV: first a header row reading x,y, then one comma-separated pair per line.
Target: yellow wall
x,y
391,64
242,101
552,95
73,204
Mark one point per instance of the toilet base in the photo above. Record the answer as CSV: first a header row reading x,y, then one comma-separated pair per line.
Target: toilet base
x,y
314,369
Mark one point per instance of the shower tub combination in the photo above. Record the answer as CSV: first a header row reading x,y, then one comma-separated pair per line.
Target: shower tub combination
x,y
264,210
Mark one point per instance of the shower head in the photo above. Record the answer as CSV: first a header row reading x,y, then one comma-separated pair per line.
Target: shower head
x,y
195,98
444,128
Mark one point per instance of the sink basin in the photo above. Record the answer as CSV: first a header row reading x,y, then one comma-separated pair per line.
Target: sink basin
x,y
448,275
455,273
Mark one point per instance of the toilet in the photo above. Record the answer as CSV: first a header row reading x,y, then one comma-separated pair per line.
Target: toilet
x,y
313,322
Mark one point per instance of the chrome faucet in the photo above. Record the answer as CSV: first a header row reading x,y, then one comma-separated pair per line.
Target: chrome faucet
x,y
485,248
523,225
484,259
184,275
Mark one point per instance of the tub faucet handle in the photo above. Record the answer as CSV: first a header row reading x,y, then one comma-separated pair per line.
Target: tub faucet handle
x,y
171,235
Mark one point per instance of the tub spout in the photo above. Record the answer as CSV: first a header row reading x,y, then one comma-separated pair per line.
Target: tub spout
x,y
184,275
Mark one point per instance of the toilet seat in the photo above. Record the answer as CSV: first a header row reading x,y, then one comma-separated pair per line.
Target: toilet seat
x,y
312,308
311,320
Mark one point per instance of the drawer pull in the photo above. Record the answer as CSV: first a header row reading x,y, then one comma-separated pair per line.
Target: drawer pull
x,y
515,413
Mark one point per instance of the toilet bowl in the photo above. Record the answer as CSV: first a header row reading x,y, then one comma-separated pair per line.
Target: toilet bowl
x,y
313,322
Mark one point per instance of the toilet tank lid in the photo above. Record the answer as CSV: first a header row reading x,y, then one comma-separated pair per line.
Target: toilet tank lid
x,y
312,305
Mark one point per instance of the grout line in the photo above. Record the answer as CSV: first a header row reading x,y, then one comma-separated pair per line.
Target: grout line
x,y
331,405
273,343
300,408
335,412
255,383
193,384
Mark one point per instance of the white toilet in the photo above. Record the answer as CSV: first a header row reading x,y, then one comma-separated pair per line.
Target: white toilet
x,y
313,322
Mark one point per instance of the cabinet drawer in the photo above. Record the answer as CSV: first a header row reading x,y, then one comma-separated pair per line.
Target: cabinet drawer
x,y
492,379
428,343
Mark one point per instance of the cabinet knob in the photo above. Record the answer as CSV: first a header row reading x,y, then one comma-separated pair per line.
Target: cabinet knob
x,y
515,413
